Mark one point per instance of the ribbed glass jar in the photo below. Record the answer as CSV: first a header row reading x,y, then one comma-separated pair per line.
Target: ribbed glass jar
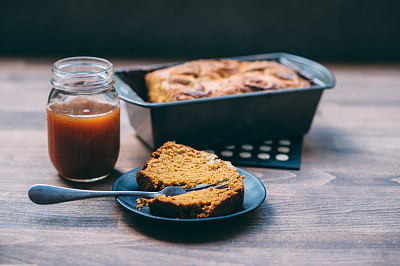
x,y
83,119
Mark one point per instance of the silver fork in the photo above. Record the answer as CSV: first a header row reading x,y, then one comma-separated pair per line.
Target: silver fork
x,y
47,194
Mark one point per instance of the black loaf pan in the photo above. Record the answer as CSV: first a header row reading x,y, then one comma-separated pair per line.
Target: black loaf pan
x,y
242,118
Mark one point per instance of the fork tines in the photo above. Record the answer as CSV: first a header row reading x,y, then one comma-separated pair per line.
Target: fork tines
x,y
203,186
220,186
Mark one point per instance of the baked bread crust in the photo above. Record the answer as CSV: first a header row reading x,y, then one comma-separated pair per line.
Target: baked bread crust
x,y
176,164
219,77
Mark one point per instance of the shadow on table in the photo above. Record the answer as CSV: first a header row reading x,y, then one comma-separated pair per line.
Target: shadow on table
x,y
201,232
104,184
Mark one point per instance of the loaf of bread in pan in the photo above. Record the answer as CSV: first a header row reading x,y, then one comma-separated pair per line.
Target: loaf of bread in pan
x,y
219,77
179,165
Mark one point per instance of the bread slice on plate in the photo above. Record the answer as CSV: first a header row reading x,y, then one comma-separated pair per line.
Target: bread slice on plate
x,y
179,165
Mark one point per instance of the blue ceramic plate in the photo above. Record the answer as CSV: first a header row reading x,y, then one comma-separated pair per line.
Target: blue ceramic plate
x,y
254,195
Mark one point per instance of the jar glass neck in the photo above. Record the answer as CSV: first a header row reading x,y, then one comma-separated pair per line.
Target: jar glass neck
x,y
82,74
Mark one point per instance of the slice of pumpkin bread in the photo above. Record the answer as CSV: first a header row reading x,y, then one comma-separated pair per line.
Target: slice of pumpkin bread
x,y
179,165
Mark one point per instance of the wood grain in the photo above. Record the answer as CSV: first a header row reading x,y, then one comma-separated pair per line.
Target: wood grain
x,y
341,208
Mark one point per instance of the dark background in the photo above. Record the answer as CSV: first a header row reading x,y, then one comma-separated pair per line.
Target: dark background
x,y
336,30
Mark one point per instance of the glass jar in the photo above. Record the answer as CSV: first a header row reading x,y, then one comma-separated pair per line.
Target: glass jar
x,y
83,119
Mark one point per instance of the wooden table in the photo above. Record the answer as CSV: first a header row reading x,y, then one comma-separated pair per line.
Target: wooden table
x,y
341,208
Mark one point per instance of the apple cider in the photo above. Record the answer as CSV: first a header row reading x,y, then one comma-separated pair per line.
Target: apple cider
x,y
84,145
83,119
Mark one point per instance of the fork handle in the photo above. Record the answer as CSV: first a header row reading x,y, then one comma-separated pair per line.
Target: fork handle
x,y
47,194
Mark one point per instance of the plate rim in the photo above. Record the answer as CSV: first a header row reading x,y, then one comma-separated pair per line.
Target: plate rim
x,y
155,217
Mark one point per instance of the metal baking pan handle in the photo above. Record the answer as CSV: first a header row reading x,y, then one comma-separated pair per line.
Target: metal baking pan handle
x,y
300,71
125,92
310,70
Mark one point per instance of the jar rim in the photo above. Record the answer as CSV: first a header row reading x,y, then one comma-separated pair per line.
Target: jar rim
x,y
82,73
62,62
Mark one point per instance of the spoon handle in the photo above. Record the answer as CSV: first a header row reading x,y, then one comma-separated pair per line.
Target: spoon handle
x,y
46,194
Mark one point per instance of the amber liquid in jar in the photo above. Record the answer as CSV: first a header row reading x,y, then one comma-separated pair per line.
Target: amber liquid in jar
x,y
85,144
